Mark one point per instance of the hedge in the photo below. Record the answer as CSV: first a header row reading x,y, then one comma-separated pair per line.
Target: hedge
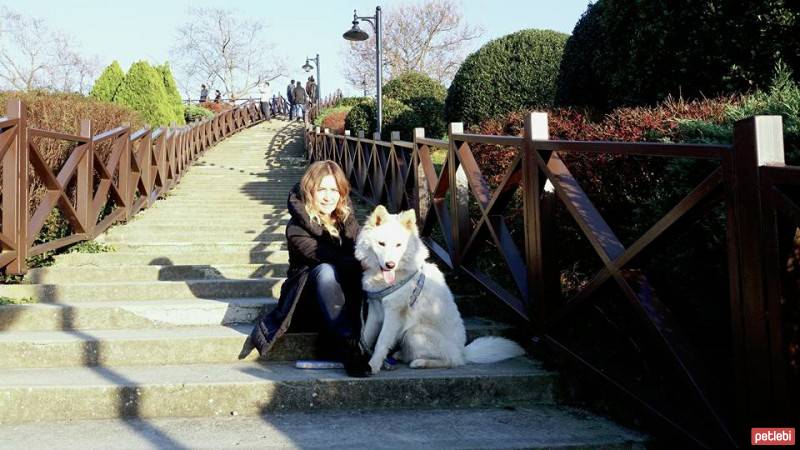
x,y
507,74
633,53
425,96
362,117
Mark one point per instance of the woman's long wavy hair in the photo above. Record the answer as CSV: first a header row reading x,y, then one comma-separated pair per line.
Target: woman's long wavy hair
x,y
309,185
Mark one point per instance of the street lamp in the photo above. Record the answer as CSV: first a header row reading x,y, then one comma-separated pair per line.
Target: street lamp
x,y
356,34
307,67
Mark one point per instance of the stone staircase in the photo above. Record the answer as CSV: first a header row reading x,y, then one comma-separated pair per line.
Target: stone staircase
x,y
137,348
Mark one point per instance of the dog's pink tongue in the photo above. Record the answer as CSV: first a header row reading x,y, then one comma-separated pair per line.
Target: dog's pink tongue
x,y
388,276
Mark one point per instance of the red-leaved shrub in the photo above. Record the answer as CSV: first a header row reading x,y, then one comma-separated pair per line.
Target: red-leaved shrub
x,y
335,122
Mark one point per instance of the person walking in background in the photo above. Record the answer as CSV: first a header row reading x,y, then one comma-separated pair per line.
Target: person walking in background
x,y
290,98
203,93
266,98
300,99
311,90
217,96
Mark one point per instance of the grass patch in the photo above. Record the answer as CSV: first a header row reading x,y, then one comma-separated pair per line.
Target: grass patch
x,y
91,247
16,301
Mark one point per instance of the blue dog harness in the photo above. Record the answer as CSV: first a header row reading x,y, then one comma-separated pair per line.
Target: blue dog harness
x,y
377,295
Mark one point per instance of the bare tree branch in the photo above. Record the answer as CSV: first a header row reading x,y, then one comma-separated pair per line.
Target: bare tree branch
x,y
217,47
429,37
33,56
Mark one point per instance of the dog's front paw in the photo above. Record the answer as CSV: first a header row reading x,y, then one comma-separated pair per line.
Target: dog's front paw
x,y
375,365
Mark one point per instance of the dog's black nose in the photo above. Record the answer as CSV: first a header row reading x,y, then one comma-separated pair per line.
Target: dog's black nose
x,y
390,265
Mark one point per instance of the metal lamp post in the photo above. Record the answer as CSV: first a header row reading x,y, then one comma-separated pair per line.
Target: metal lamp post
x,y
307,67
356,34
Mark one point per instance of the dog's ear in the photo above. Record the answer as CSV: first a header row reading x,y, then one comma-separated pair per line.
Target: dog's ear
x,y
378,216
408,219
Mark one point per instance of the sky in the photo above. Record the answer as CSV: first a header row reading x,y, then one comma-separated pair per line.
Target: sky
x,y
146,29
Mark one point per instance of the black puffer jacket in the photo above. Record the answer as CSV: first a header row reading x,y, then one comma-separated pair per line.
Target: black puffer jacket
x,y
309,245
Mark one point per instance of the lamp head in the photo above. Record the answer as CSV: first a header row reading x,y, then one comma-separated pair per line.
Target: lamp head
x,y
355,33
307,67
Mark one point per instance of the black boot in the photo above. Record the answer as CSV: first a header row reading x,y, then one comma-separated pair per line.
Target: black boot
x,y
356,360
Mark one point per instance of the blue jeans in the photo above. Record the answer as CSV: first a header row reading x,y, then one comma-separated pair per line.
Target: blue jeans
x,y
324,284
298,111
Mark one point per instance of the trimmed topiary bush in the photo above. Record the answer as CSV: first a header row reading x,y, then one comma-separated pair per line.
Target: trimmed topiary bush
x,y
413,85
106,85
632,53
143,90
425,96
362,117
513,72
173,95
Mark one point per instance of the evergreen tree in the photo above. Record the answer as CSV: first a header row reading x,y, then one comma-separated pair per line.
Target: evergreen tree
x,y
143,90
106,85
173,95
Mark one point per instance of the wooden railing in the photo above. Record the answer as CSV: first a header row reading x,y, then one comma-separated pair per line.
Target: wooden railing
x,y
142,165
750,180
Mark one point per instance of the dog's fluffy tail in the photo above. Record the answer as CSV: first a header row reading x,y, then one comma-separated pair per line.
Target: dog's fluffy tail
x,y
490,349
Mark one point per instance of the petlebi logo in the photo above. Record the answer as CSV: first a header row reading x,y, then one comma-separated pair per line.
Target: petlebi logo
x,y
772,436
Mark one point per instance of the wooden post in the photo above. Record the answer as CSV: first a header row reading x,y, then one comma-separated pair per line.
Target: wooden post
x,y
419,198
535,216
459,195
757,141
85,182
124,181
15,184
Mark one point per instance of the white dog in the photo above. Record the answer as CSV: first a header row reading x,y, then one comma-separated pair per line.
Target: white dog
x,y
410,302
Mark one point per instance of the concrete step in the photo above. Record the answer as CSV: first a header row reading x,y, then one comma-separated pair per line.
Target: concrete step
x,y
269,234
253,388
145,290
197,207
71,274
221,226
159,345
168,248
152,213
529,427
121,314
131,257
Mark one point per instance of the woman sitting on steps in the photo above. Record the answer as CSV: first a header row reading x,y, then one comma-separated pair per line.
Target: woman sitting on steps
x,y
323,288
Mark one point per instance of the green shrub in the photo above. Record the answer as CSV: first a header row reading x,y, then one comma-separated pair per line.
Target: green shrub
x,y
513,72
362,117
143,90
173,95
352,101
106,85
782,98
194,112
425,96
632,53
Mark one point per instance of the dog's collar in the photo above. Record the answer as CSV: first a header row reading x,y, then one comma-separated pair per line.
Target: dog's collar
x,y
377,295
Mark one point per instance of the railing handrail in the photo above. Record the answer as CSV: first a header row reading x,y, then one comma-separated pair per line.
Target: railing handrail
x,y
146,163
391,173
